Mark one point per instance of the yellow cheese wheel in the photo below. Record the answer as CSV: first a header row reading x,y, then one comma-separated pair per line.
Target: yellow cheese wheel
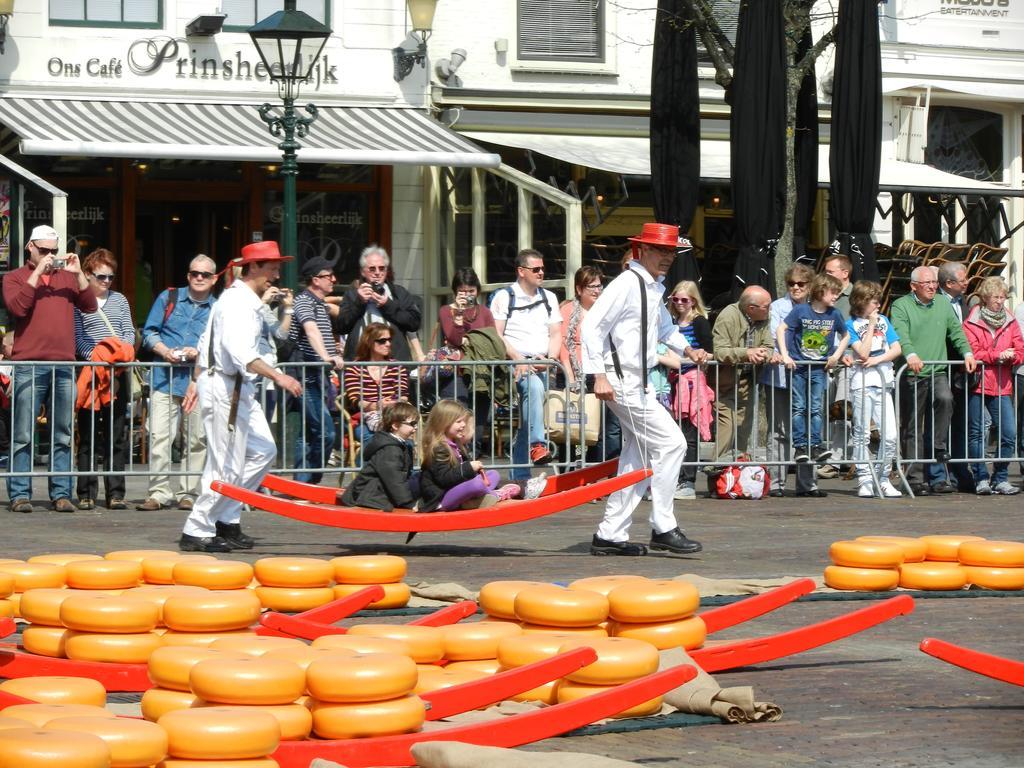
x,y
45,641
121,649
220,733
103,613
995,578
214,612
946,548
6,723
247,680
604,584
560,607
914,550
426,644
866,554
363,719
570,691
992,554
542,694
361,677
255,645
545,629
138,555
296,572
6,609
305,655
10,560
619,660
467,642
42,606
103,574
172,638
526,649
132,743
368,569
498,620
157,594
212,574
862,579
40,714
38,748
653,600
160,569
14,600
58,689
396,594
169,665
258,762
293,599
296,720
442,677
6,584
34,575
484,666
363,644
62,558
932,575
157,702
497,598
688,633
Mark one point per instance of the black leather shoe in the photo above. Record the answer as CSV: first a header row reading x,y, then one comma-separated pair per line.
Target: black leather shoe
x,y
942,487
920,489
599,546
942,455
776,493
675,541
200,544
814,493
232,534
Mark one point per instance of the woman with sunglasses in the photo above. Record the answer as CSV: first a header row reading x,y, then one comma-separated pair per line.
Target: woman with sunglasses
x,y
371,388
102,443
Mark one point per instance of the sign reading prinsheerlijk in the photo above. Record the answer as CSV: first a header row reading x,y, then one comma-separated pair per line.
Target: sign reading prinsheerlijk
x,y
961,23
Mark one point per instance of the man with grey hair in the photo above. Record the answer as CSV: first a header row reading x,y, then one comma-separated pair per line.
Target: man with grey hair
x,y
377,299
172,330
926,323
953,285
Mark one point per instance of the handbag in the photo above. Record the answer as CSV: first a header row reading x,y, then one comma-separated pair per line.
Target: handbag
x,y
428,373
136,381
563,414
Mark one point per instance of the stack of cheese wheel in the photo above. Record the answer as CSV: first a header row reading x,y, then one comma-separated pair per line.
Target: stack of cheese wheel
x,y
657,611
364,695
44,635
355,572
293,584
940,569
220,734
221,575
132,743
158,594
864,565
168,668
549,608
470,648
497,598
619,660
993,564
30,576
251,684
6,590
109,628
159,569
520,650
57,690
201,619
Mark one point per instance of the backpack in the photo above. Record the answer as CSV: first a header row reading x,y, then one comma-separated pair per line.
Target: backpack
x,y
512,301
748,481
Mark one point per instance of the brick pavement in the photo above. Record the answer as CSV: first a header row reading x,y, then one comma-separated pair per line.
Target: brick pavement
x,y
871,700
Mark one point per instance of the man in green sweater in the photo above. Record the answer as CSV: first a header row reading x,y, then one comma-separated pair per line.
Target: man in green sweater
x,y
925,323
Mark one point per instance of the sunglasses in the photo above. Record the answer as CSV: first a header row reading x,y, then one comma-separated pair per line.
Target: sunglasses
x,y
46,251
327,276
104,278
796,283
682,300
535,270
412,423
376,269
199,274
385,340
595,287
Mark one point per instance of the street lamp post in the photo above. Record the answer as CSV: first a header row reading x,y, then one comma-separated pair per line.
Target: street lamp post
x,y
289,43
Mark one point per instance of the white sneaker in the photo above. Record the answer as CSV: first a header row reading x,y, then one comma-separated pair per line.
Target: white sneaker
x,y
890,491
535,486
335,459
685,490
865,491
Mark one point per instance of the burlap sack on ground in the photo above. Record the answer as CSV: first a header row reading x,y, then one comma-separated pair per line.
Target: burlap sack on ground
x,y
712,587
425,594
453,754
704,696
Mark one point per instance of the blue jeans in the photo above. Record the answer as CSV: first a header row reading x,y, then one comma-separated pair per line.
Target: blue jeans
x,y
531,421
1000,408
809,383
52,385
316,435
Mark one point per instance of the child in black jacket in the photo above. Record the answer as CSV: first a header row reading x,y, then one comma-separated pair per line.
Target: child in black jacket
x,y
383,482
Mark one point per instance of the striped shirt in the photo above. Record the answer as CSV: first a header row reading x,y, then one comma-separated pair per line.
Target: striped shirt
x,y
307,307
90,328
360,385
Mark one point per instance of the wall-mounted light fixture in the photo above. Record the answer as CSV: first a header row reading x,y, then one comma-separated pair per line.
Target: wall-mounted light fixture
x,y
206,25
421,12
445,68
6,11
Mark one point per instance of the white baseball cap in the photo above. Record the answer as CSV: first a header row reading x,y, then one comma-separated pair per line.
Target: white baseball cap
x,y
44,232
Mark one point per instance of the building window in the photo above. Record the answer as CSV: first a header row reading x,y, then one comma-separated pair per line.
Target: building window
x,y
242,14
561,30
727,14
106,13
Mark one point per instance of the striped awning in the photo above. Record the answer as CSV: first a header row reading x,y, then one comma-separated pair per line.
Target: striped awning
x,y
235,132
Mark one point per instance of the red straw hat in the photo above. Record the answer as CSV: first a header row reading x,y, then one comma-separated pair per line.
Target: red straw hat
x,y
265,250
662,235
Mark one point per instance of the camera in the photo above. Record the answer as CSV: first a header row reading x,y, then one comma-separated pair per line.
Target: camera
x,y
377,288
58,263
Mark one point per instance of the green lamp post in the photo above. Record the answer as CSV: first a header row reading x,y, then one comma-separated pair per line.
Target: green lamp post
x,y
289,42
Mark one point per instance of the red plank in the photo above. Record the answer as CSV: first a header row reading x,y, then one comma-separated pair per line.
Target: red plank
x,y
987,664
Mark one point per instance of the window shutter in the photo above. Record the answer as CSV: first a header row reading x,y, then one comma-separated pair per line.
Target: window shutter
x,y
570,30
727,14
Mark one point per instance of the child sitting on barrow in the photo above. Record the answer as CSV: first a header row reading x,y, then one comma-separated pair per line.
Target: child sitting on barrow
x,y
385,481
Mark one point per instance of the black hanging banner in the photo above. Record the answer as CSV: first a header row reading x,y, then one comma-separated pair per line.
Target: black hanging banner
x,y
856,150
675,129
757,130
806,151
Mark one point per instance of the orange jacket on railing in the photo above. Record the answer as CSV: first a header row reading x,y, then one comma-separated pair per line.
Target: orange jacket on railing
x,y
94,380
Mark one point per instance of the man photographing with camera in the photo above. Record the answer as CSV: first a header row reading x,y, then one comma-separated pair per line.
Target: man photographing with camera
x,y
41,297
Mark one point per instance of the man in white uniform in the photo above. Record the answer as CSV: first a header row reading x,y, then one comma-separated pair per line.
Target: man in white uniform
x,y
240,447
617,353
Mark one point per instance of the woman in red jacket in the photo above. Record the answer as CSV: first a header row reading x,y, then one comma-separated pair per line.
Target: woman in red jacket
x,y
998,346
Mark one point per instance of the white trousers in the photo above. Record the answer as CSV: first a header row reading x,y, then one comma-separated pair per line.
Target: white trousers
x,y
241,457
164,415
873,404
650,438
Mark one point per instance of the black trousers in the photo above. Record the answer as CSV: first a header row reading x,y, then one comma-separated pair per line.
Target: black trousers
x,y
102,445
